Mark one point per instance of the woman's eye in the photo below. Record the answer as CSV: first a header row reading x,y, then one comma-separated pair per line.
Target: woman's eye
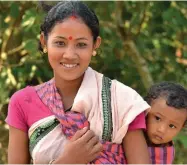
x,y
157,118
81,45
172,126
60,43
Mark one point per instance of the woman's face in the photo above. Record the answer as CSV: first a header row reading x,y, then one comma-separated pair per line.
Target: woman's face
x,y
70,47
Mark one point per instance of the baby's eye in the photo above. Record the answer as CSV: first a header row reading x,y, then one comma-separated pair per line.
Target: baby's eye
x,y
172,126
157,118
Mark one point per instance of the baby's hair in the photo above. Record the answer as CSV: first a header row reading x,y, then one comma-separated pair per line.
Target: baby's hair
x,y
64,10
174,94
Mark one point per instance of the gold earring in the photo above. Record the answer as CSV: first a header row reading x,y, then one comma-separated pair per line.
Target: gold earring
x,y
45,50
94,53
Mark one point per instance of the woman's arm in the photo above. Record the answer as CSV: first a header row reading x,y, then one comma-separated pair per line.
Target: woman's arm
x,y
18,148
135,147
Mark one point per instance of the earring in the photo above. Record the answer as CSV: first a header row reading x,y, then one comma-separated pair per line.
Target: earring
x,y
45,50
94,53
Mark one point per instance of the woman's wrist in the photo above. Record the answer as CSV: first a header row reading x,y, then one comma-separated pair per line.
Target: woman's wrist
x,y
61,160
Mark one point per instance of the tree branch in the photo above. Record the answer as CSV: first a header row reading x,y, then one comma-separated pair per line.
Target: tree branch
x,y
132,50
142,20
15,50
7,37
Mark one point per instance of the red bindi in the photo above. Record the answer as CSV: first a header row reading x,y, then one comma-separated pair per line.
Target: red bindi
x,y
73,17
70,37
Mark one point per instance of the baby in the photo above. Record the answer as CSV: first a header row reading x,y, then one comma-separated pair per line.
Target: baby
x,y
165,120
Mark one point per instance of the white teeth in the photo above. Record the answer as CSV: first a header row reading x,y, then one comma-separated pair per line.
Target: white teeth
x,y
69,65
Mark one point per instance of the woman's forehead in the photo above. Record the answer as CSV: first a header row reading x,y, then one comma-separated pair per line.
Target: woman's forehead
x,y
71,27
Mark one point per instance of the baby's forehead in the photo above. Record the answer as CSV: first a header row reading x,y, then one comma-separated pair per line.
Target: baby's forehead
x,y
168,113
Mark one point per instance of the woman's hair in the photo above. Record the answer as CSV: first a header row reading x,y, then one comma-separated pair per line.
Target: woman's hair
x,y
174,94
67,9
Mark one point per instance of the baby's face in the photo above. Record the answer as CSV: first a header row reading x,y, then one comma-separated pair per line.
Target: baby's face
x,y
164,122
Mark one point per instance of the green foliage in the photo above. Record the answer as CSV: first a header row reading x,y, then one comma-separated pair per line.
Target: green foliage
x,y
141,41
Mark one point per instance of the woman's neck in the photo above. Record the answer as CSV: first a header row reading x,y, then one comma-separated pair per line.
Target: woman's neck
x,y
68,88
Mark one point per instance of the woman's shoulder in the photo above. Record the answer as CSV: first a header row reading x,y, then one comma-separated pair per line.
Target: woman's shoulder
x,y
115,83
22,93
121,87
17,111
25,108
130,95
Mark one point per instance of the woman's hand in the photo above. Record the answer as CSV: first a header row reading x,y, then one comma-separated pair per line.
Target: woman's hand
x,y
83,148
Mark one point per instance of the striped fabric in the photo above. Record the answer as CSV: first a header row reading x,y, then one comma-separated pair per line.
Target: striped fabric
x,y
73,121
162,155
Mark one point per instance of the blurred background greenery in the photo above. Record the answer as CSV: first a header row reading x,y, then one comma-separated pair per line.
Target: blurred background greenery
x,y
143,43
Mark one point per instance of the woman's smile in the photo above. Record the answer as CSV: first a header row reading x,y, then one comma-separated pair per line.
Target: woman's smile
x,y
69,65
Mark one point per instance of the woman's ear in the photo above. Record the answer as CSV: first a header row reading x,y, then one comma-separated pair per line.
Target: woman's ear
x,y
185,124
42,40
97,42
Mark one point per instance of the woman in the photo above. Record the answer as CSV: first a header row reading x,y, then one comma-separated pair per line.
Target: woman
x,y
79,116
